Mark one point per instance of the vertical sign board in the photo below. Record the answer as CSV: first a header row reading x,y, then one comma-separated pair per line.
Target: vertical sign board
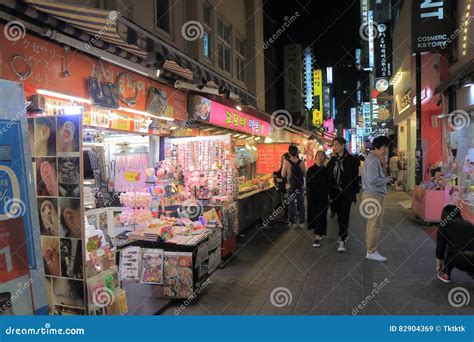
x,y
371,38
22,286
292,73
365,29
431,24
367,119
383,52
326,102
318,96
308,78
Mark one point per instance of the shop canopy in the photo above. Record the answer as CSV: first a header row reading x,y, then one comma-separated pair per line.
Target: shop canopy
x,y
109,31
464,75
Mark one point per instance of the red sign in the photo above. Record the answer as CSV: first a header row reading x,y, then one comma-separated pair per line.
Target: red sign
x,y
13,258
269,157
217,114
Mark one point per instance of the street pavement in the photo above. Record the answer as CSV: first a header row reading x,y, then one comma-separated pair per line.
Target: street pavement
x,y
276,271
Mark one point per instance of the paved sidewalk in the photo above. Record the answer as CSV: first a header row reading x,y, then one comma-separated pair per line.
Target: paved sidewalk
x,y
324,282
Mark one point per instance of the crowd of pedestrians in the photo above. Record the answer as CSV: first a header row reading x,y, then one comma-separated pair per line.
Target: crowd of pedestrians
x,y
333,184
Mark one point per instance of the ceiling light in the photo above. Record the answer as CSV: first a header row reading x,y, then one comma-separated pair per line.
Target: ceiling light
x,y
63,96
238,107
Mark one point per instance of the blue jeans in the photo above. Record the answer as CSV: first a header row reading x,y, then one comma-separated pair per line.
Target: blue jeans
x,y
296,198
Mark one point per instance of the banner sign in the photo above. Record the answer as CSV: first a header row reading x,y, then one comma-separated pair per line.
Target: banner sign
x,y
326,102
383,52
214,113
318,98
22,286
308,78
431,25
367,119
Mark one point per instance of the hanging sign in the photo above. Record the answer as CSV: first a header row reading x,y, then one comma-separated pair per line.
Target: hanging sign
x,y
318,98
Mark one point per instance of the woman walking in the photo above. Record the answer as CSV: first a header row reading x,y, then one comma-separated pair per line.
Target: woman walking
x,y
317,190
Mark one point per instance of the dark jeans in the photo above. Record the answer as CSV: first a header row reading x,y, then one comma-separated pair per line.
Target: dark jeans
x,y
284,204
460,261
296,198
343,211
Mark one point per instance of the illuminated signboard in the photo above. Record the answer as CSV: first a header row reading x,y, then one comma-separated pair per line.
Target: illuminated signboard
x,y
329,75
308,78
426,93
318,95
367,119
217,114
371,37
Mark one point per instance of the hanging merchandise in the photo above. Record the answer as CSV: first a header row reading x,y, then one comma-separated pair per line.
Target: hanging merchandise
x,y
130,172
156,102
103,93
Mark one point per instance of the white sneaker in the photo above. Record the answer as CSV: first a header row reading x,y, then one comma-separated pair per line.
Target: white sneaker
x,y
302,225
342,247
375,256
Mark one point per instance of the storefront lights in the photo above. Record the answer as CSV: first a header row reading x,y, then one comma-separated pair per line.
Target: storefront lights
x,y
63,96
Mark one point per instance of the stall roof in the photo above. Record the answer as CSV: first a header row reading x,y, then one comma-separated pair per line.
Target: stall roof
x,y
109,31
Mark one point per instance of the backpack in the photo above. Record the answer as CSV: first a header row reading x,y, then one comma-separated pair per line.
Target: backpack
x,y
297,177
280,181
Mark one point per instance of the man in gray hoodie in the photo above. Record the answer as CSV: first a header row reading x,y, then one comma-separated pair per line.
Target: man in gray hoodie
x,y
374,185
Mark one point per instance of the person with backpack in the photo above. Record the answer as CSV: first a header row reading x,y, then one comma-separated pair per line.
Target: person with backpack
x,y
280,184
295,170
343,170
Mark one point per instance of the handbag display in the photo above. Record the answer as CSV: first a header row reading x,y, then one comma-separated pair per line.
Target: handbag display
x,y
156,102
104,94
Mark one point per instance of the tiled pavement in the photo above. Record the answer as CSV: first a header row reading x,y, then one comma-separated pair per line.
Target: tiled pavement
x,y
324,282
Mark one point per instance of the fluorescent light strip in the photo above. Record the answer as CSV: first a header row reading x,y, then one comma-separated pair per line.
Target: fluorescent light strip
x,y
63,96
140,112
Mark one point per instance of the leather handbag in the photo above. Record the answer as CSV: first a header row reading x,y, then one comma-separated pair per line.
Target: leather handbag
x,y
104,94
156,102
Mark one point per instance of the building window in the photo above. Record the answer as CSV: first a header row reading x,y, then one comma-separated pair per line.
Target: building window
x,y
207,35
163,15
224,47
240,59
207,14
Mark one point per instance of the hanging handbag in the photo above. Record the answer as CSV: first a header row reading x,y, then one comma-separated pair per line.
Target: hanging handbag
x,y
156,102
104,94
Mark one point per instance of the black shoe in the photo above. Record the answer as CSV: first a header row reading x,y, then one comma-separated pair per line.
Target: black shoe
x,y
317,243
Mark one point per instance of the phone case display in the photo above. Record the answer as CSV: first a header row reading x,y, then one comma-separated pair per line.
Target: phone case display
x,y
57,158
152,266
130,172
130,263
178,275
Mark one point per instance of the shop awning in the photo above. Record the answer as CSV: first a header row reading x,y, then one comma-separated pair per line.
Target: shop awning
x,y
109,31
460,77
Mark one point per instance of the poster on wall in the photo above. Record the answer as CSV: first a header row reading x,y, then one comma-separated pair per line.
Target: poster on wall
x,y
432,25
57,162
22,287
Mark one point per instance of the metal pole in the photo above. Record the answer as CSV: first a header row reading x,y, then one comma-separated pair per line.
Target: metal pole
x,y
419,150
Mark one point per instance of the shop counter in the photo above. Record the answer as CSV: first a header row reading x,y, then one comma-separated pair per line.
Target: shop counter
x,y
428,204
256,205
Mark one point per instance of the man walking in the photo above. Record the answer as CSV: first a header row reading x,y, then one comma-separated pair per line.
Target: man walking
x,y
343,170
295,170
374,185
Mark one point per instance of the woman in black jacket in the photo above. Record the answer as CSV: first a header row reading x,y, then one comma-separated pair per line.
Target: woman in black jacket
x,y
454,244
317,191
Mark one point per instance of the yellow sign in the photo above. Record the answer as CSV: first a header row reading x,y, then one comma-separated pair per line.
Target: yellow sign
x,y
318,97
131,176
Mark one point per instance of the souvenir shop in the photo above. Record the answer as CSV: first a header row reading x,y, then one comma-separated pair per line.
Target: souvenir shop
x,y
120,234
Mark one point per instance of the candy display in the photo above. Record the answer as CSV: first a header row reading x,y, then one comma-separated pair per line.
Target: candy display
x,y
136,210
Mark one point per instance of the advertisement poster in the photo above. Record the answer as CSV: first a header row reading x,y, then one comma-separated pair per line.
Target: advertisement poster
x,y
318,96
22,287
